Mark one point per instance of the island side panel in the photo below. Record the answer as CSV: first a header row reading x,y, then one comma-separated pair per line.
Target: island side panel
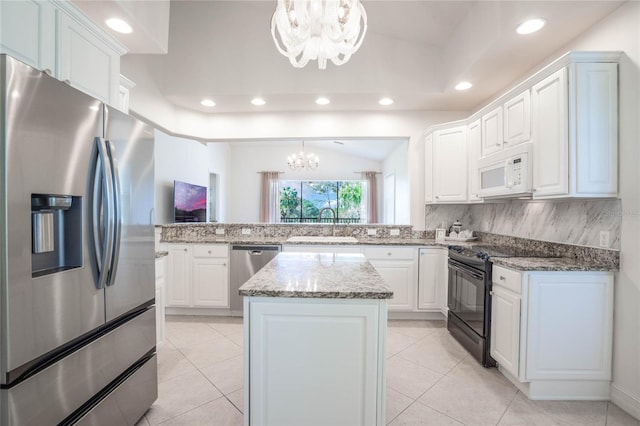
x,y
314,361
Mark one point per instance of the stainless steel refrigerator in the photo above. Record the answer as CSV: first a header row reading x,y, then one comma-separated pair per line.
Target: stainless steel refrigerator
x,y
77,259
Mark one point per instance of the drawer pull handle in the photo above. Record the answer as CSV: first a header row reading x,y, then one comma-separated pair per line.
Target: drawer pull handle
x,y
209,252
389,254
502,278
185,249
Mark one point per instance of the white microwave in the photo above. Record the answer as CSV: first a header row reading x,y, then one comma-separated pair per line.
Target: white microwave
x,y
506,174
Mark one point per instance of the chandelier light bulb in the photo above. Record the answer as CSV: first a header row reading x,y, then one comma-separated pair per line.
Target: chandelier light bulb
x,y
321,30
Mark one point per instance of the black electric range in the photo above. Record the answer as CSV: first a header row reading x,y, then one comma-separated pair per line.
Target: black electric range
x,y
469,298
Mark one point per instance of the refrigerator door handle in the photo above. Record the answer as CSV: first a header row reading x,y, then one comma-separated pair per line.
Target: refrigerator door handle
x,y
103,225
117,211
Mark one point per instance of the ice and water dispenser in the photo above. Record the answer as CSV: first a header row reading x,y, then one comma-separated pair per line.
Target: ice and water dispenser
x,y
56,233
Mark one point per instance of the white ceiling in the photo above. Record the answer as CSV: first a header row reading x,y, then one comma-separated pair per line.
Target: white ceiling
x,y
414,52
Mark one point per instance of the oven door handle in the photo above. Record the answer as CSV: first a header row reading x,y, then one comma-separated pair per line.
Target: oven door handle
x,y
466,271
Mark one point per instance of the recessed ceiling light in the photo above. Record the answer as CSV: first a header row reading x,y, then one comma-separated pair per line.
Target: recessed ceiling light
x,y
531,26
258,101
118,25
463,85
207,103
323,101
385,101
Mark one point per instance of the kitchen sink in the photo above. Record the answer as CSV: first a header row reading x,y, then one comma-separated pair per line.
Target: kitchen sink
x,y
322,239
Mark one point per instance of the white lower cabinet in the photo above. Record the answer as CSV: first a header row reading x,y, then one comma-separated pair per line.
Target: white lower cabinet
x,y
314,361
505,329
397,266
552,335
161,268
198,275
432,279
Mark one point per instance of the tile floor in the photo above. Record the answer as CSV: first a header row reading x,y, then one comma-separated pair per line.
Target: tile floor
x,y
431,380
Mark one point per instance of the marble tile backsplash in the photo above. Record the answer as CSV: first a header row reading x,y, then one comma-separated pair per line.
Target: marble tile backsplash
x,y
564,221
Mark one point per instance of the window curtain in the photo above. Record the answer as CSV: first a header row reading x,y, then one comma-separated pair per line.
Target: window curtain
x,y
269,197
371,196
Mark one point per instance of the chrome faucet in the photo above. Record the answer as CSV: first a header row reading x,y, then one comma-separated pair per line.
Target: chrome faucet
x,y
335,218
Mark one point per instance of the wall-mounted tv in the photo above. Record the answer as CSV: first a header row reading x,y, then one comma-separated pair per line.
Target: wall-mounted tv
x,y
189,202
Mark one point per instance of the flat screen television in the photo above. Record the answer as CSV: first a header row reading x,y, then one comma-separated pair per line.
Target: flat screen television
x,y
189,202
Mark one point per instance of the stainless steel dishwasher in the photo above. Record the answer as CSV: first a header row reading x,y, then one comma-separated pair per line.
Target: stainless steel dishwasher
x,y
246,260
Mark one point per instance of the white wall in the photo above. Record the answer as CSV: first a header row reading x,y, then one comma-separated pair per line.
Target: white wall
x,y
185,160
219,155
397,163
620,31
249,158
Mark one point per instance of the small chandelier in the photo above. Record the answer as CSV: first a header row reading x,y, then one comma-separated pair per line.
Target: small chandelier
x,y
318,29
302,161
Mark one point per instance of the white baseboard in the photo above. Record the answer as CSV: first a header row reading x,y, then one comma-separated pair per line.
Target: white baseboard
x,y
626,401
415,316
199,311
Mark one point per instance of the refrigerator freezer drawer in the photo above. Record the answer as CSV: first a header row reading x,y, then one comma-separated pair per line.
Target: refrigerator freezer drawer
x,y
52,394
126,404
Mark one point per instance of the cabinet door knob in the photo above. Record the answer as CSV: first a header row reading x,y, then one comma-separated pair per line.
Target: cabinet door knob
x,y
185,249
224,264
502,278
209,252
437,197
389,254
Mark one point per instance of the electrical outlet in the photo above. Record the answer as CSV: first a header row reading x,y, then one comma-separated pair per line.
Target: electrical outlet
x,y
371,231
246,231
219,231
604,239
394,232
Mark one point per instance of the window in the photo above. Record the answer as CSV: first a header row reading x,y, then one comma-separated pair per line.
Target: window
x,y
302,201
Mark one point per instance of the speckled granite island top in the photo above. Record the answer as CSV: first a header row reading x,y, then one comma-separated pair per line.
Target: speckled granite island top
x,y
318,275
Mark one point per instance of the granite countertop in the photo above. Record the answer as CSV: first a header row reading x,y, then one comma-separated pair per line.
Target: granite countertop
x,y
318,275
550,264
283,241
160,254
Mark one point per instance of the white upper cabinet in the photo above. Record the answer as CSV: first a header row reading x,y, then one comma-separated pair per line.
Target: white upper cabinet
x,y
492,131
474,141
27,32
517,119
594,101
58,38
450,164
550,136
567,113
575,132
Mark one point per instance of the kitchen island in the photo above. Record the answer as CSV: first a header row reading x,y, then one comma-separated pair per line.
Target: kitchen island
x,y
314,338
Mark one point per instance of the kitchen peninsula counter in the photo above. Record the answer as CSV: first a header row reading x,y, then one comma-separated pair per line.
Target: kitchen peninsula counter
x,y
312,320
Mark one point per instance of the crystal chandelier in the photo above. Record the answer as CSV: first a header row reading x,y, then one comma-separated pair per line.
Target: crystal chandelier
x,y
318,29
302,161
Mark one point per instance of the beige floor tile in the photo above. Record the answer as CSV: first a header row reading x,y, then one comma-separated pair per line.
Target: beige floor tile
x,y
237,399
618,417
226,375
219,413
238,339
524,411
468,401
182,334
396,403
409,378
397,342
437,351
415,328
206,354
172,363
142,422
227,328
418,414
470,370
179,395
